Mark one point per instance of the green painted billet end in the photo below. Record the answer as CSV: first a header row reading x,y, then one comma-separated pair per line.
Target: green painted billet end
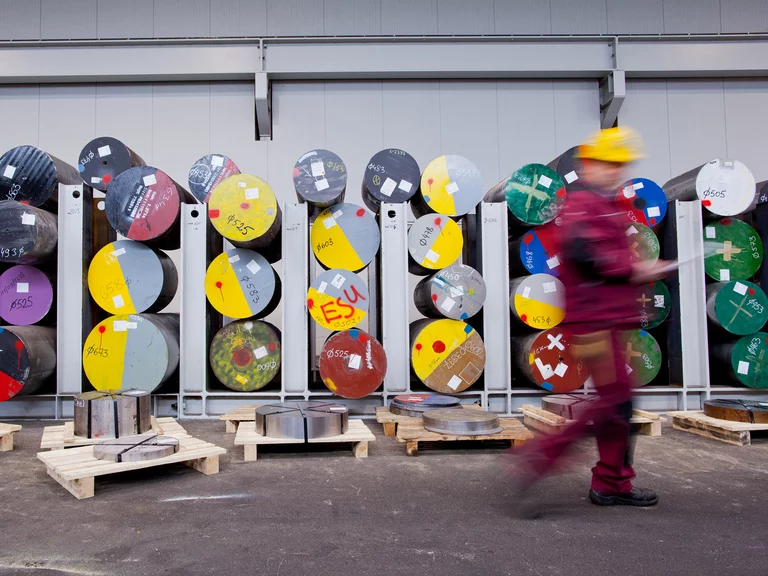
x,y
535,193
734,250
749,360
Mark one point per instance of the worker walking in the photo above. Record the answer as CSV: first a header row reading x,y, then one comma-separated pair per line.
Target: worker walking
x,y
600,289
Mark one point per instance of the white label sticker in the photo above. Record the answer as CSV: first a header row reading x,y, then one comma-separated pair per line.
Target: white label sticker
x,y
322,185
119,326
118,252
234,258
242,184
545,181
727,163
571,177
104,151
555,342
454,382
9,171
545,369
526,292
337,214
388,187
740,288
448,304
150,180
550,287
329,222
22,288
457,291
95,180
217,161
432,256
251,193
725,275
118,301
405,186
743,367
452,188
337,408
338,281
658,301
253,266
631,231
561,369
638,186
628,192
354,361
710,232
28,219
322,287
318,169
131,325
260,353
553,262
654,212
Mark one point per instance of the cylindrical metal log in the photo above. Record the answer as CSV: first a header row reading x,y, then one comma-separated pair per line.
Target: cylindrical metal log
x,y
654,303
415,405
245,355
537,301
434,242
144,204
747,358
27,235
738,307
345,236
462,422
536,252
546,359
138,351
241,283
26,295
104,159
112,414
570,169
738,250
534,194
392,176
139,448
643,200
27,359
338,299
450,185
456,292
302,420
127,277
725,187
320,179
207,173
643,244
244,210
746,411
352,364
29,175
642,356
447,355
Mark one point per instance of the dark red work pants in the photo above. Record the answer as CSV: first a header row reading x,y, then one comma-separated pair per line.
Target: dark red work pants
x,y
610,415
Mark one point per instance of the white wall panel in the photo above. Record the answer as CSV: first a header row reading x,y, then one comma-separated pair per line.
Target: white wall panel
x,y
746,120
577,112
125,112
122,19
238,18
462,17
295,17
19,19
182,18
522,17
67,120
684,16
352,17
65,19
633,17
645,109
744,15
409,17
579,17
19,116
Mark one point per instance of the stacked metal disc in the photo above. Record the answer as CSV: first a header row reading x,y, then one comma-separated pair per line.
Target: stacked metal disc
x,y
245,355
643,200
241,283
642,356
31,176
537,301
207,173
320,179
28,235
547,360
352,364
746,411
416,404
302,420
434,242
26,295
462,422
104,159
725,187
570,169
392,176
141,448
456,292
338,299
737,250
450,185
534,194
27,359
345,236
112,413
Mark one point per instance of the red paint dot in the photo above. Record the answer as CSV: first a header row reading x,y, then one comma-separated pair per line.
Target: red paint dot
x,y
430,181
102,329
418,346
362,339
245,205
653,221
219,284
107,179
360,213
271,346
751,291
242,357
438,221
213,213
524,318
528,238
434,297
295,172
19,345
438,346
310,303
706,203
25,202
725,221
766,340
561,193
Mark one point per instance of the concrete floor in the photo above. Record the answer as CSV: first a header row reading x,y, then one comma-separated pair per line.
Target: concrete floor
x,y
445,513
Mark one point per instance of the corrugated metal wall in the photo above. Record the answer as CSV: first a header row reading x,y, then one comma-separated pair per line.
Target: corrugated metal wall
x,y
57,19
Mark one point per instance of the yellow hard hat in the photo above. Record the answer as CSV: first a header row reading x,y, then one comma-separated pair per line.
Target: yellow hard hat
x,y
620,144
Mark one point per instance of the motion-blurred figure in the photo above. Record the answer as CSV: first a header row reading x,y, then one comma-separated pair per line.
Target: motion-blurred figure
x,y
599,283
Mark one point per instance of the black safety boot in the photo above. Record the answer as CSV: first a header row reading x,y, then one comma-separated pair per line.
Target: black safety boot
x,y
635,497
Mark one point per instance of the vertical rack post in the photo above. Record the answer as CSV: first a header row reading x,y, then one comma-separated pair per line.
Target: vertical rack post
x,y
393,295
295,328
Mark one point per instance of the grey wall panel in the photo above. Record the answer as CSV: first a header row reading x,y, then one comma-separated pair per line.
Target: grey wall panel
x,y
696,123
522,17
409,17
526,125
238,18
125,112
19,106
65,19
746,117
352,17
684,16
121,19
579,17
633,17
645,109
577,112
19,19
67,119
182,18
295,17
462,17
744,15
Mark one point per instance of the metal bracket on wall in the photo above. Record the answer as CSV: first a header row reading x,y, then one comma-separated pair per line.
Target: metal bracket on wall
x,y
263,96
613,90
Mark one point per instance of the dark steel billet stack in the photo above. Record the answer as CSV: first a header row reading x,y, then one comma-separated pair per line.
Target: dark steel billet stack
x,y
141,448
26,295
27,359
462,422
352,364
112,414
746,411
32,176
245,355
320,179
302,420
456,292
103,159
208,172
392,176
725,187
415,405
28,235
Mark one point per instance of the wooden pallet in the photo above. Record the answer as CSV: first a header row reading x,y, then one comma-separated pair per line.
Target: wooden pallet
x,y
695,422
358,435
646,423
242,414
63,436
76,469
411,433
6,436
390,421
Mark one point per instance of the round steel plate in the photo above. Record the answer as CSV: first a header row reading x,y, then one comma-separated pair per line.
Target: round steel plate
x,y
738,250
320,178
642,356
29,235
338,299
417,404
29,175
538,300
26,295
457,292
462,422
643,200
352,363
240,283
569,406
104,159
27,359
537,252
434,242
451,185
547,360
534,194
207,173
302,420
740,307
653,303
245,355
345,236
392,176
749,360
725,187
112,414
140,448
747,411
